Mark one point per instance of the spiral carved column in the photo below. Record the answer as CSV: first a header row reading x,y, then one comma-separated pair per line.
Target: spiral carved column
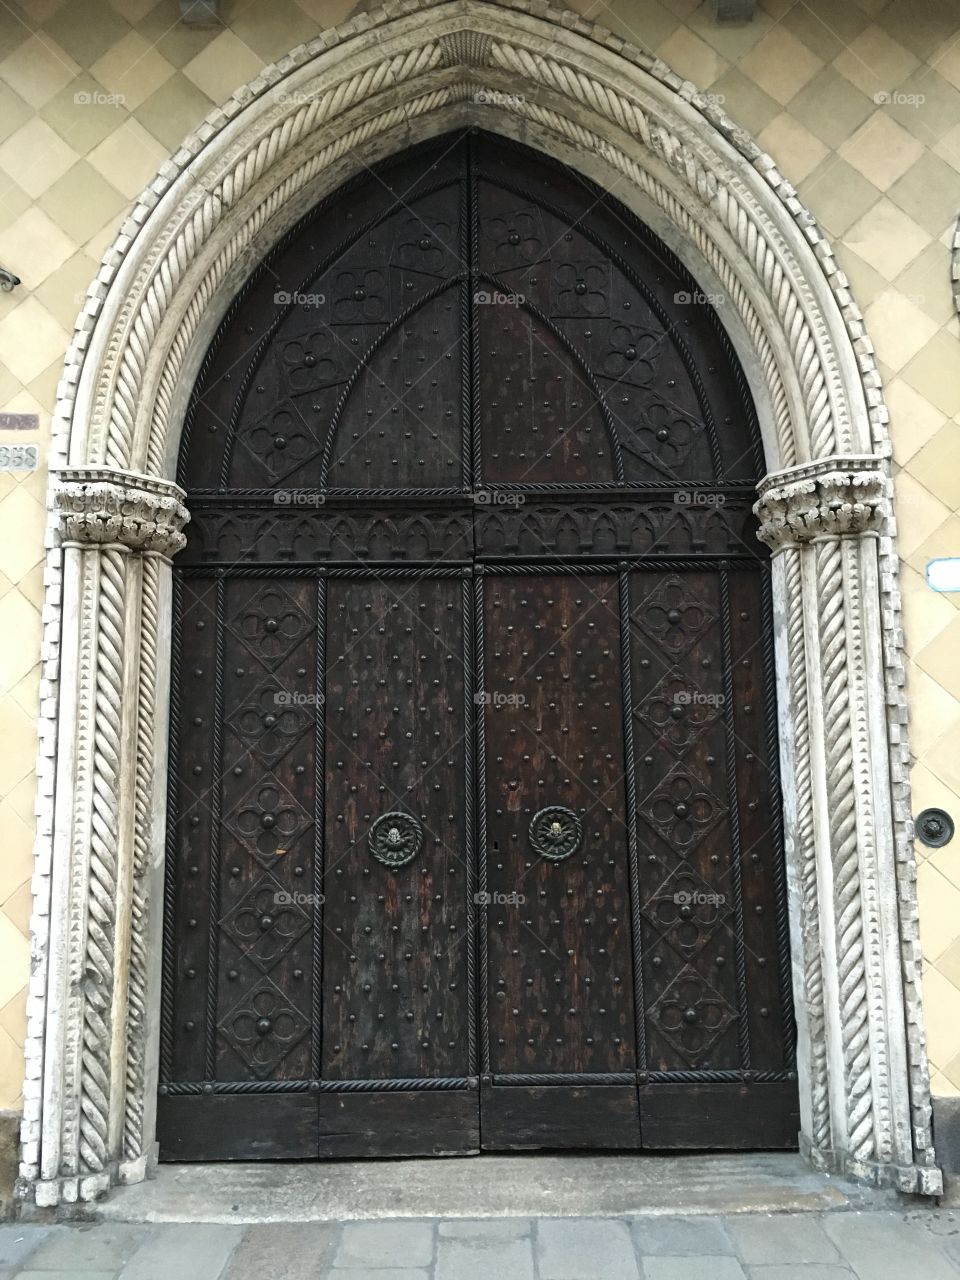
x,y
801,852
823,521
117,531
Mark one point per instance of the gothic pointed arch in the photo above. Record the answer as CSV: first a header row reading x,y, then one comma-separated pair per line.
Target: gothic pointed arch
x,y
239,184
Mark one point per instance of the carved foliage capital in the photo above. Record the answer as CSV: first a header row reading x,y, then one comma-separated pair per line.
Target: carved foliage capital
x,y
100,505
830,498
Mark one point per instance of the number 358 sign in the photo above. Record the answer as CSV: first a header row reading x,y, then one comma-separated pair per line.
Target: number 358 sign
x,y
18,457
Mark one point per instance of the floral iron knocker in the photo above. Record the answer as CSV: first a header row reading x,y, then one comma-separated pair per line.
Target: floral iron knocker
x,y
555,833
395,839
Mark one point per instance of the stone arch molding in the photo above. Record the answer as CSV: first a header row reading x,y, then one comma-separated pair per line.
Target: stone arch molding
x,y
383,80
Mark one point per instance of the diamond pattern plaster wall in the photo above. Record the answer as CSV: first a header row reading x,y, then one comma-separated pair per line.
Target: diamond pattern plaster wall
x,y
858,103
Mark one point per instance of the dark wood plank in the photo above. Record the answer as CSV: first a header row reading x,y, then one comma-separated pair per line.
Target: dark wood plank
x,y
262,891
191,834
560,990
395,938
238,1127
411,1122
689,898
559,1117
720,1117
754,757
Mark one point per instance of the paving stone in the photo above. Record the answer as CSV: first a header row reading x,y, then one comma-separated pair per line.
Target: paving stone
x,y
64,1273
378,1273
702,1268
876,1245
678,1237
480,1259
192,1251
485,1228
585,1249
101,1247
763,1240
17,1243
946,1233
392,1244
803,1271
282,1251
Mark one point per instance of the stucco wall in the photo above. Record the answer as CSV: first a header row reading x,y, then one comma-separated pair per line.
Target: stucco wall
x,y
858,103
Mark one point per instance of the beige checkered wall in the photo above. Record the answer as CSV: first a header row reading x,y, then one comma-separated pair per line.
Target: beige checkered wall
x,y
857,100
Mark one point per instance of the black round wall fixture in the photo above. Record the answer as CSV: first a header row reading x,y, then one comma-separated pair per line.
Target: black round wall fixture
x,y
935,828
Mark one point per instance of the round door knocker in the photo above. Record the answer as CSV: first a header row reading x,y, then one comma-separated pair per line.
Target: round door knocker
x,y
935,828
395,839
555,833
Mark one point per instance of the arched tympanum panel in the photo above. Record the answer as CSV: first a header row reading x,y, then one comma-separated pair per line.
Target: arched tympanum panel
x,y
473,315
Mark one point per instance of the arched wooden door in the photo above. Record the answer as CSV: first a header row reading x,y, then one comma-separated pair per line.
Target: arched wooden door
x,y
473,817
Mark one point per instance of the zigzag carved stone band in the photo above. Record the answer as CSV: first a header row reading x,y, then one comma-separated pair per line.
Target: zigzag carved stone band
x,y
825,499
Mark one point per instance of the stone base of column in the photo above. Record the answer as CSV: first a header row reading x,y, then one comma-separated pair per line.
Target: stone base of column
x,y
131,1171
912,1179
52,1193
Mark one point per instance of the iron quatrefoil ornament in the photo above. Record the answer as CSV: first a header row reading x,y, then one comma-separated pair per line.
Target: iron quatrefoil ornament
x,y
555,833
395,839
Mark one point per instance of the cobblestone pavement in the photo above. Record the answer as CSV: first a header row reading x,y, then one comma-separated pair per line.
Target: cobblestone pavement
x,y
835,1246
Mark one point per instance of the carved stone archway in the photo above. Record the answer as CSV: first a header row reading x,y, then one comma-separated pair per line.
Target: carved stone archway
x,y
274,150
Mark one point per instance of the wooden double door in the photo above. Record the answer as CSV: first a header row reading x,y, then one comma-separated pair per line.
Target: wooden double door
x,y
473,822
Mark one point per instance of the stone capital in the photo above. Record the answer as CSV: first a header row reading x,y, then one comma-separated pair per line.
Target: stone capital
x,y
832,497
101,505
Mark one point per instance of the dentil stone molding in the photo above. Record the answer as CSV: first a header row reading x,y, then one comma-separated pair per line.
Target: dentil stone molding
x,y
829,498
383,80
99,505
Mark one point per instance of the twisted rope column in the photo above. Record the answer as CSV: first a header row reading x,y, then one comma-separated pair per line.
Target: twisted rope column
x,y
102,882
117,529
844,848
825,518
139,957
806,853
